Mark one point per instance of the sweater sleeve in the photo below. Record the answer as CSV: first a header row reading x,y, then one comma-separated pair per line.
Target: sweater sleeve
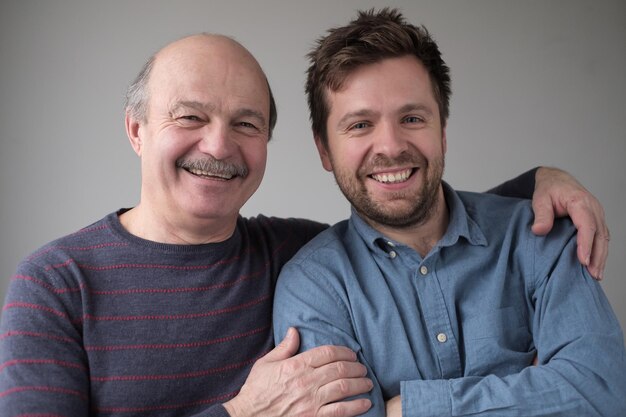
x,y
43,367
522,186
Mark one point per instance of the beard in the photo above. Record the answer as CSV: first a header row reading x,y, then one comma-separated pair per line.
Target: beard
x,y
400,209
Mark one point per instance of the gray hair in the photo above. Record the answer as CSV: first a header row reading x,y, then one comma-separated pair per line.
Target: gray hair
x,y
136,104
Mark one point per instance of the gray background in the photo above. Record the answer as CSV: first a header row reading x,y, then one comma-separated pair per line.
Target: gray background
x,y
534,82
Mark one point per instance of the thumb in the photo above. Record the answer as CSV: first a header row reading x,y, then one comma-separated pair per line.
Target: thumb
x,y
544,215
286,348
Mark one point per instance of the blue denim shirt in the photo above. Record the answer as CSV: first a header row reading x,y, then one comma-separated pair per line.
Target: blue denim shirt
x,y
456,333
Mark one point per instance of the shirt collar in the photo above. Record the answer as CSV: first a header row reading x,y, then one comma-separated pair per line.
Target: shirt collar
x,y
461,225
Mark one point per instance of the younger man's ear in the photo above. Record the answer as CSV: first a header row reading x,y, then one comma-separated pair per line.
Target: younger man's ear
x,y
324,157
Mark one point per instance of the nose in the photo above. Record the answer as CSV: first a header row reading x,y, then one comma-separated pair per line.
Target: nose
x,y
216,140
389,141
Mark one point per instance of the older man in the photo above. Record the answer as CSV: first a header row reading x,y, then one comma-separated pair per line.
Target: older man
x,y
446,296
165,309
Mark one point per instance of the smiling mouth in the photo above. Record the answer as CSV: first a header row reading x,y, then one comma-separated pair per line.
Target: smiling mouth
x,y
213,169
393,177
211,175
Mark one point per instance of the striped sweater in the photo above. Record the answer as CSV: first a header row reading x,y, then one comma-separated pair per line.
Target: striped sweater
x,y
103,323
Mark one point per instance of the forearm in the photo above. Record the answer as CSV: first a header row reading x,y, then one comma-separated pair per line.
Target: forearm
x,y
580,350
522,186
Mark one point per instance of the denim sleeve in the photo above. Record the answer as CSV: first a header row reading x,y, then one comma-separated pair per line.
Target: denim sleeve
x,y
581,367
308,299
522,186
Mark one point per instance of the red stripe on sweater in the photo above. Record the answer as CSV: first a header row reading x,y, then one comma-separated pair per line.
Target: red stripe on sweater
x,y
34,307
41,362
46,285
190,345
50,336
40,415
90,317
134,291
56,390
165,406
186,375
77,248
142,266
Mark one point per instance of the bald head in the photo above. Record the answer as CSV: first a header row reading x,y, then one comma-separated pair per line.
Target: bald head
x,y
195,57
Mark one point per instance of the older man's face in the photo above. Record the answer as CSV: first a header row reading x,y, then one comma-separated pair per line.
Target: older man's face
x,y
204,143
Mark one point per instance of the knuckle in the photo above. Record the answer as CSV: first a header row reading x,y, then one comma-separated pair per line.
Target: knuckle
x,y
326,353
343,387
341,369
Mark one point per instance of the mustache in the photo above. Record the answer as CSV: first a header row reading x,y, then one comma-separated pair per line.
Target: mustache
x,y
383,161
214,166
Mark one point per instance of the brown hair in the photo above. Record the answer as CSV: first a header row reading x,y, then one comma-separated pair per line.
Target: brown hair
x,y
370,38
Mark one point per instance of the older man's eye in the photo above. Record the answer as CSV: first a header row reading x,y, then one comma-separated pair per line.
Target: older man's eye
x,y
247,125
190,117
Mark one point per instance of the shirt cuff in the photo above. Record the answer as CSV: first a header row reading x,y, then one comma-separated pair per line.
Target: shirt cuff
x,y
425,398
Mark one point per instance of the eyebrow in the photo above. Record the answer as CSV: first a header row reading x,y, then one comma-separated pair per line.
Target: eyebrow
x,y
184,104
208,107
369,113
355,114
416,107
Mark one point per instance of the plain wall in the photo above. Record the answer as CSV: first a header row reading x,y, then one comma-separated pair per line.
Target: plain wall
x,y
534,83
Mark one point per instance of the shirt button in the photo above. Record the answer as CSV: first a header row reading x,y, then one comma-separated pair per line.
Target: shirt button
x,y
423,270
393,254
441,337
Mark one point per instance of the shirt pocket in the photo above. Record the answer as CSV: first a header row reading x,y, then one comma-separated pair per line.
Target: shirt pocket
x,y
497,342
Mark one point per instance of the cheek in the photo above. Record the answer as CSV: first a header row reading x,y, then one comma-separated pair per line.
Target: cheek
x,y
256,158
350,158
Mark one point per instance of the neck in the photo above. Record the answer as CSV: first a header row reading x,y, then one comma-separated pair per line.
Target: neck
x,y
423,236
147,224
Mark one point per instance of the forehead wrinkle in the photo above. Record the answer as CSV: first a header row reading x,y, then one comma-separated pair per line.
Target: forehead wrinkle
x,y
182,104
356,114
415,107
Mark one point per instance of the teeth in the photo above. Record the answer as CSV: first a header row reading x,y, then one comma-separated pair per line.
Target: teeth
x,y
209,174
392,177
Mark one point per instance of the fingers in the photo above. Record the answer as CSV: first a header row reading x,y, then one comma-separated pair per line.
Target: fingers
x,y
285,349
599,253
323,355
344,388
593,235
340,380
346,379
544,215
345,409
556,194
